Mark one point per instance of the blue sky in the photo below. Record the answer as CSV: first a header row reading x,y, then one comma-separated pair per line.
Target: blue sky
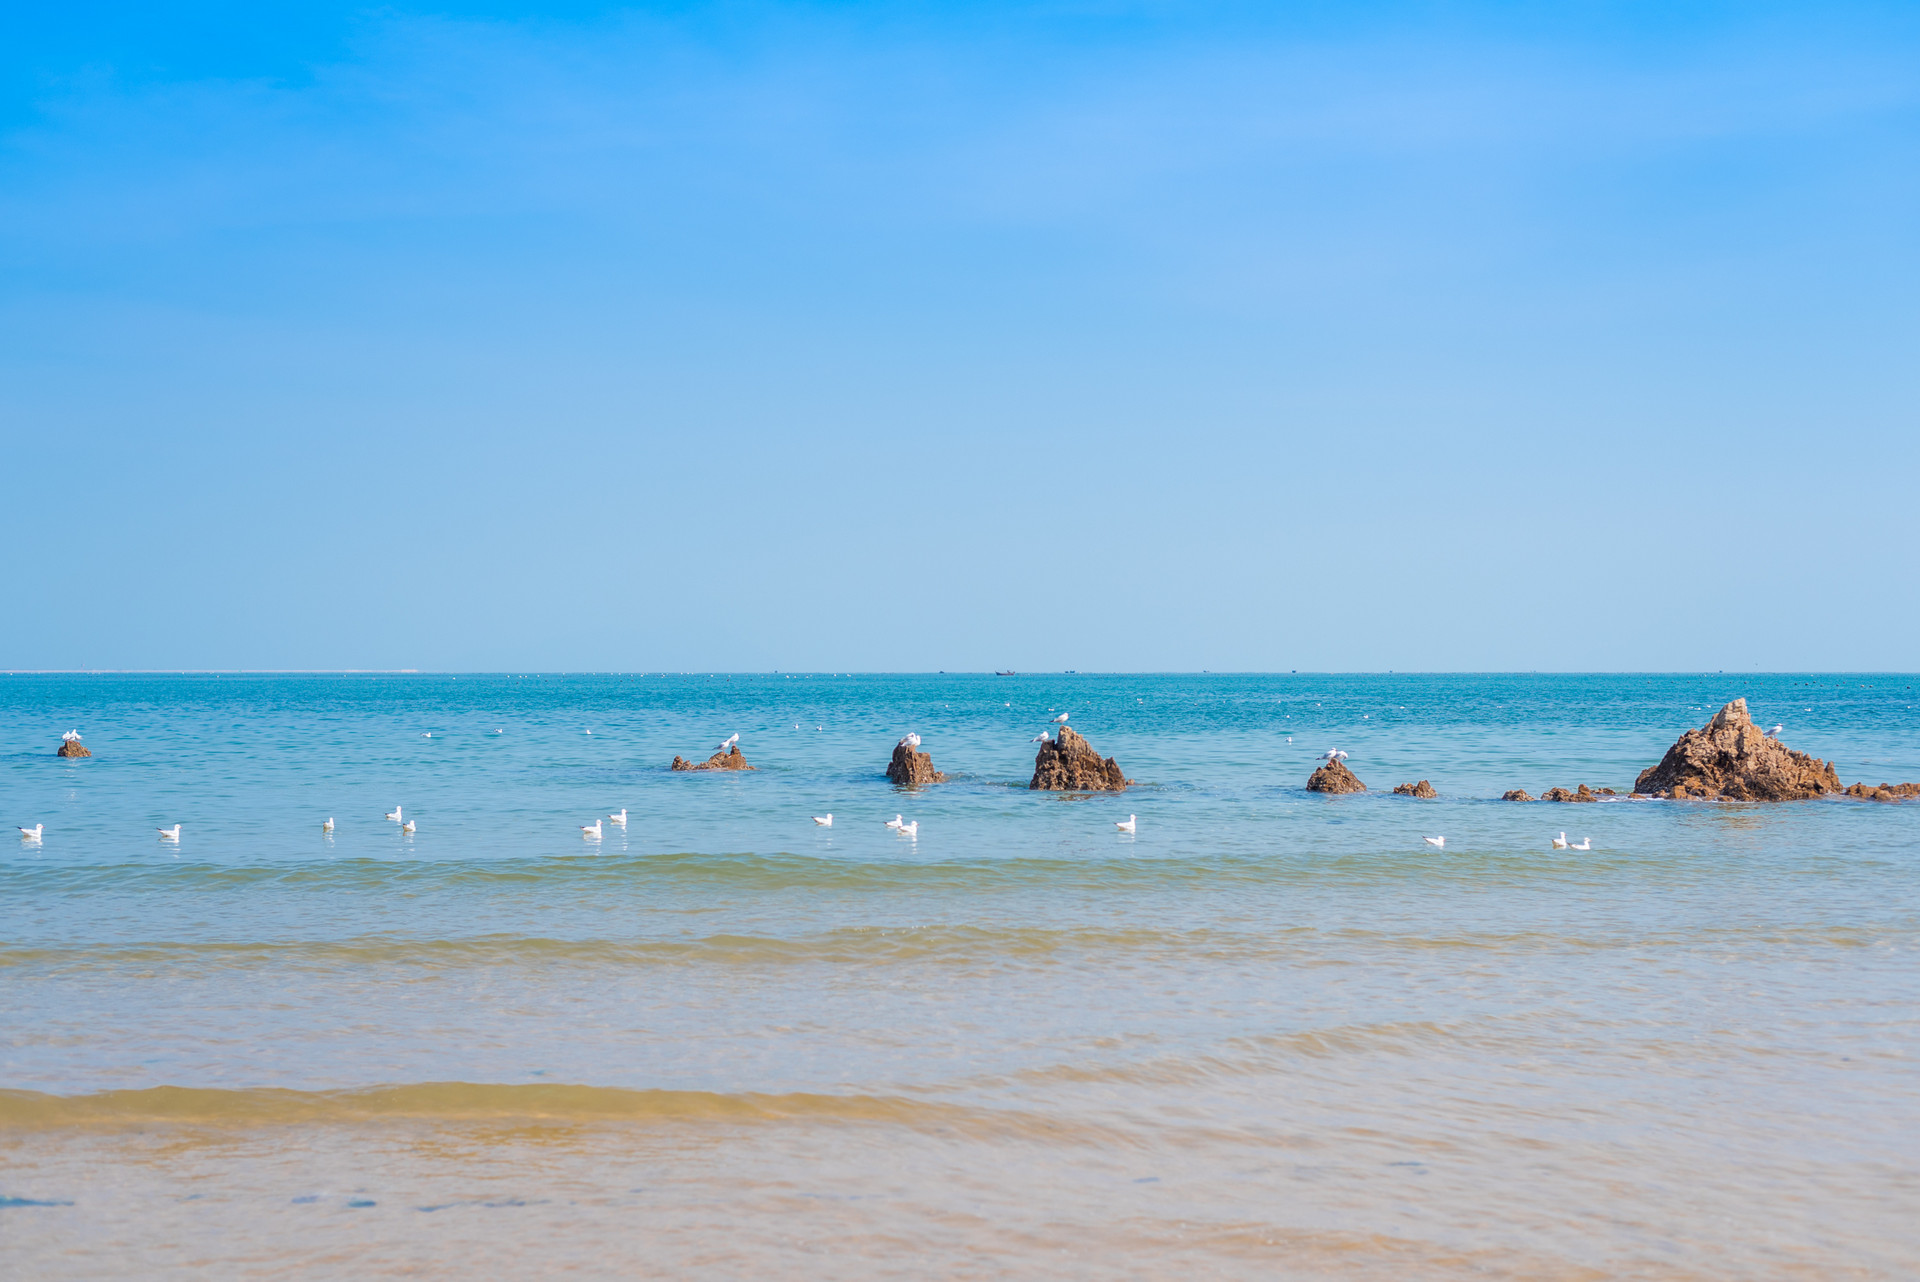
x,y
1095,336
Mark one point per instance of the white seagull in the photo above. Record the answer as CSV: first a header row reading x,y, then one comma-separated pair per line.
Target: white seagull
x,y
394,814
728,742
408,826
619,819
590,830
1334,754
911,741
1586,843
169,834
1560,842
1775,732
1435,841
894,822
1040,738
1128,824
911,830
825,821
71,736
328,825
1060,720
33,833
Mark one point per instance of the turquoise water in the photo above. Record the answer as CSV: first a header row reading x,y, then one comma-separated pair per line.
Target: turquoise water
x,y
1270,1030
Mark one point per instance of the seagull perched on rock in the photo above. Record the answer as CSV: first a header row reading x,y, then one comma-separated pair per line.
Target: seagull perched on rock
x,y
170,834
1560,842
328,825
71,736
394,814
619,819
1435,841
1128,824
33,833
825,821
729,741
1775,732
1334,754
911,741
1060,720
1040,738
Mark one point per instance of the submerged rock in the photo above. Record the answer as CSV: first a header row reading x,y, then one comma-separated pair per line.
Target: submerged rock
x,y
1421,789
911,768
731,760
1334,777
1730,759
1585,794
1885,792
1068,763
1516,794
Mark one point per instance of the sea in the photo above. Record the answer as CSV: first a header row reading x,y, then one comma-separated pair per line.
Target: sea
x,y
1269,1033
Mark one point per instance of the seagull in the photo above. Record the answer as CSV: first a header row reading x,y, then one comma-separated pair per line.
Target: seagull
x,y
620,819
497,730
1586,843
1334,754
1560,842
169,834
328,825
1060,720
895,822
590,830
911,741
728,742
1127,824
1040,738
427,735
825,821
1775,732
408,826
71,736
1435,841
911,830
394,814
33,833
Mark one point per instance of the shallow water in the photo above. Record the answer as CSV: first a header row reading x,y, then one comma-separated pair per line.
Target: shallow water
x,y
1271,1032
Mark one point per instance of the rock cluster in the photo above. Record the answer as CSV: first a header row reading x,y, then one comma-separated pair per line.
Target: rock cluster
x,y
1885,792
73,748
1068,763
910,769
1421,789
1730,759
1584,794
1334,777
731,760
1517,794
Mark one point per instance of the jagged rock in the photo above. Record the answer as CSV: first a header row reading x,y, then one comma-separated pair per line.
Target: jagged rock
x,y
1885,792
1334,777
1068,763
1729,758
718,761
73,748
911,769
1585,794
1517,794
1421,789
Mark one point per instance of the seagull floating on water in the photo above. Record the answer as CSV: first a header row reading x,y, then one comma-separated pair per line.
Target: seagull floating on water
x,y
394,814
911,830
1060,720
1127,824
328,825
169,834
590,830
894,822
825,821
1560,842
408,826
1586,843
33,833
620,819
1435,841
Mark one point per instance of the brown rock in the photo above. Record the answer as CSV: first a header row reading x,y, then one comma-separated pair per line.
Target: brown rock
x,y
1885,792
1334,777
73,748
1068,763
1518,794
718,761
1561,794
1730,759
911,769
1421,789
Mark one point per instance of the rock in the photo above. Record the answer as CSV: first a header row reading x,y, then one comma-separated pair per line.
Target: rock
x,y
1334,777
1421,789
1068,763
911,769
1517,794
73,748
1730,759
731,760
1585,794
1885,792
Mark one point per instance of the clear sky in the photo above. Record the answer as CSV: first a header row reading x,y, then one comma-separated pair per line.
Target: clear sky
x,y
917,336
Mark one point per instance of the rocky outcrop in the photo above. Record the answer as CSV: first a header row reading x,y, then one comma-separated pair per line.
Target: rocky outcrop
x,y
1730,759
1334,777
1585,794
910,768
73,748
1421,789
1068,763
730,760
1885,792
1517,794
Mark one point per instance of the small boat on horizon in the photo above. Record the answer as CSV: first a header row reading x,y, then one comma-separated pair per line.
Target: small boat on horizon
x,y
1008,673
